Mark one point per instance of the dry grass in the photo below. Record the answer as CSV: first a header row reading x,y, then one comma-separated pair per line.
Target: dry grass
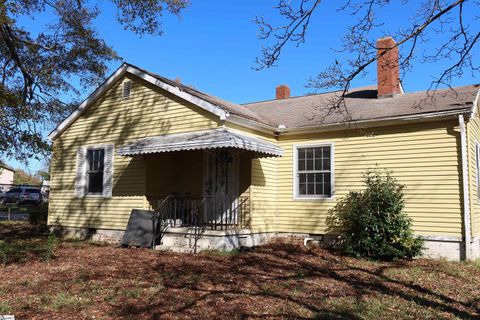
x,y
85,281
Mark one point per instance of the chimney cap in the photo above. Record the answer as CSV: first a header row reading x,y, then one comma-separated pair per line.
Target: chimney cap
x,y
385,38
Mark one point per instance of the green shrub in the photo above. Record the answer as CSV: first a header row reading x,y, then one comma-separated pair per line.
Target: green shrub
x,y
38,215
3,254
49,247
372,223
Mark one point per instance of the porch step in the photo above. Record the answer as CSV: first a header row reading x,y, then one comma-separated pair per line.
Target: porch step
x,y
177,239
174,248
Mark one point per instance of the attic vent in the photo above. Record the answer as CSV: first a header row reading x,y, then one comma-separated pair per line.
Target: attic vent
x,y
127,85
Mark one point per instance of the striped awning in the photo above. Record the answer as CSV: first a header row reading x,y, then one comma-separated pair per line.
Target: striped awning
x,y
199,140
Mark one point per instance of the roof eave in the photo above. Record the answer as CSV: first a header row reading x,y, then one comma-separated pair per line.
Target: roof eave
x,y
220,112
251,124
122,70
376,122
107,84
475,103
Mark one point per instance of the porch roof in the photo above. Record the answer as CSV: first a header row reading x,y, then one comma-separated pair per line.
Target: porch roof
x,y
198,140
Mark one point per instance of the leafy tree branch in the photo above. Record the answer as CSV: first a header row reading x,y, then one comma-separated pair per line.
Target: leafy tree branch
x,y
40,73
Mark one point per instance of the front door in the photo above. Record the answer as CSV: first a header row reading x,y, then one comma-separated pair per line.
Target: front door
x,y
221,185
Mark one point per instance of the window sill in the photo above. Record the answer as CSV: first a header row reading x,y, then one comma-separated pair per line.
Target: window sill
x,y
326,199
94,195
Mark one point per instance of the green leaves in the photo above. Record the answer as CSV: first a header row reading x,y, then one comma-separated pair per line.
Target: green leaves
x,y
372,223
144,17
44,70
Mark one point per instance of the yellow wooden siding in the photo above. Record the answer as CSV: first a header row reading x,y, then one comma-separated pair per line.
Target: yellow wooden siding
x,y
423,156
255,133
263,175
473,137
174,172
263,188
148,112
263,194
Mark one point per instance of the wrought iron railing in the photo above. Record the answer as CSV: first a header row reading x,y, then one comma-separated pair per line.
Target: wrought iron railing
x,y
210,212
158,220
214,212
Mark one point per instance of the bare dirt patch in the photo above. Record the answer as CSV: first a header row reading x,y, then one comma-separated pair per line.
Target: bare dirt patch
x,y
87,281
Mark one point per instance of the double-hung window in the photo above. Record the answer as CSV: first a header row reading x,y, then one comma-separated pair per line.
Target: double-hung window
x,y
94,171
313,171
95,167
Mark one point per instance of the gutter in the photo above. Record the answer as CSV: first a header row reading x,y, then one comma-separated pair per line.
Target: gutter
x,y
282,130
466,196
374,122
251,124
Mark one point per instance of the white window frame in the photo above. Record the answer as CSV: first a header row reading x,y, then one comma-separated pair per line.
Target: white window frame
x,y
296,195
103,146
87,176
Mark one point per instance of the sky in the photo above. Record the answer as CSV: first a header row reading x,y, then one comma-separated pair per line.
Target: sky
x,y
213,46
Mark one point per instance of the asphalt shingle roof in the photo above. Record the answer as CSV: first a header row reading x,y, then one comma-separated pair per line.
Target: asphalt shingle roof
x,y
361,104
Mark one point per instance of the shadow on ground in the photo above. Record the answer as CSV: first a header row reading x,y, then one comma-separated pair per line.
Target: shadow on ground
x,y
273,281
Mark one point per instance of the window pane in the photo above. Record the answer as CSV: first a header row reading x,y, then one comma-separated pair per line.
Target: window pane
x,y
101,158
302,189
326,164
327,190
318,153
95,182
95,158
302,177
318,183
309,164
318,164
327,178
326,152
90,159
319,188
310,177
309,153
310,188
301,164
301,153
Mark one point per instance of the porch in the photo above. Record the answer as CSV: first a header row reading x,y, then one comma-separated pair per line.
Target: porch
x,y
199,183
209,212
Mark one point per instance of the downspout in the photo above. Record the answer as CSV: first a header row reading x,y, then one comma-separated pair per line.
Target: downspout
x,y
466,196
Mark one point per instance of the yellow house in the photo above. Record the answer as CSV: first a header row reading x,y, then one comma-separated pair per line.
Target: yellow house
x,y
247,173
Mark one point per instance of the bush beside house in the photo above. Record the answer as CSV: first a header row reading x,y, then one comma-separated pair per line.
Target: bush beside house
x,y
372,223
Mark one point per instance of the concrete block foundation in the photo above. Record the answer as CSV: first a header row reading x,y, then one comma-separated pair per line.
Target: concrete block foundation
x,y
436,247
97,235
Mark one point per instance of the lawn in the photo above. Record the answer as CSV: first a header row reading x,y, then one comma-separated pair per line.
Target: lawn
x,y
83,280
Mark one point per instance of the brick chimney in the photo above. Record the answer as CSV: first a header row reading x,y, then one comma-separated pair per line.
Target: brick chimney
x,y
387,69
283,92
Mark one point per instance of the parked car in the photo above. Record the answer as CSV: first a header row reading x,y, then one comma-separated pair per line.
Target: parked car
x,y
22,195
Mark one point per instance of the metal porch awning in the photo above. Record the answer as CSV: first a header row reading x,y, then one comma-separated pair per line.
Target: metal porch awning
x,y
198,140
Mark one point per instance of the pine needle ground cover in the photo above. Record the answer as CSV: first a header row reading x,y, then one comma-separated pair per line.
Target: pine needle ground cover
x,y
83,280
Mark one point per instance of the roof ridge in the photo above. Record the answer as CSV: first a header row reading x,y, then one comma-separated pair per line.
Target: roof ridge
x,y
310,95
225,105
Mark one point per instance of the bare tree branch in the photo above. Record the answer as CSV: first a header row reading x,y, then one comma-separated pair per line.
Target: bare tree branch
x,y
444,19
